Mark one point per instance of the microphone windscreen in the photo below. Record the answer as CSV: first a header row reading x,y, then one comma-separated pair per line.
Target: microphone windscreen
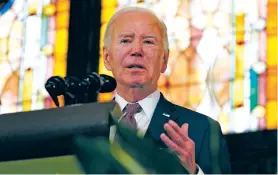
x,y
55,85
109,85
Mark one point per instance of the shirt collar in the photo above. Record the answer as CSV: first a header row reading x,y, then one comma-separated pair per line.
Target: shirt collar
x,y
148,104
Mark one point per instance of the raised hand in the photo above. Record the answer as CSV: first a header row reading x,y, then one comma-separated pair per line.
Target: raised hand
x,y
179,142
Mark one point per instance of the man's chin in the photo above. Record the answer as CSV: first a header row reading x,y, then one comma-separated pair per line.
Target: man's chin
x,y
136,85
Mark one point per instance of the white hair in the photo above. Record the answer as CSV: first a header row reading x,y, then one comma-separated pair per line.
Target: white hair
x,y
107,35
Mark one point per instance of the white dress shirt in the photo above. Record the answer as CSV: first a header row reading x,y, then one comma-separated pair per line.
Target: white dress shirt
x,y
143,118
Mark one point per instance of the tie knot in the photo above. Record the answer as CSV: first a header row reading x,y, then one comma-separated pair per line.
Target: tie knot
x,y
132,108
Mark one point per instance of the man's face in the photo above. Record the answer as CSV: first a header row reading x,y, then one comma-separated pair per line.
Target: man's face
x,y
135,54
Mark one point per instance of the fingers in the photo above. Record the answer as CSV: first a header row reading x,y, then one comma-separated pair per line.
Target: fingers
x,y
184,156
183,131
174,134
178,135
172,145
169,142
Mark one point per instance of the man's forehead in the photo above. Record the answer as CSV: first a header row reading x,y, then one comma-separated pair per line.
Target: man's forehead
x,y
132,34
132,17
126,28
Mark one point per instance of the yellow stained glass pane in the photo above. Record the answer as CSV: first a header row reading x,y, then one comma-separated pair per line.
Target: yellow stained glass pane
x,y
271,114
109,3
179,95
240,45
101,44
183,9
196,94
47,50
3,46
240,28
62,5
49,10
3,58
271,30
14,55
61,45
271,83
14,44
61,100
239,61
16,29
209,6
59,68
60,57
27,90
6,21
209,19
32,6
220,70
102,31
258,111
238,89
40,98
62,20
191,66
271,50
101,66
223,119
104,97
107,14
271,21
221,91
9,94
179,68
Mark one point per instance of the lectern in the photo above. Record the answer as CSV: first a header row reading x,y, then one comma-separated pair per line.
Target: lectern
x,y
49,132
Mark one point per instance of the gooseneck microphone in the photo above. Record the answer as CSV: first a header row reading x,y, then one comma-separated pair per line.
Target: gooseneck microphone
x,y
94,82
57,86
74,88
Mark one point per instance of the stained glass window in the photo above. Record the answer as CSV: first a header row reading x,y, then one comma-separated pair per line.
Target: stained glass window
x,y
223,58
33,47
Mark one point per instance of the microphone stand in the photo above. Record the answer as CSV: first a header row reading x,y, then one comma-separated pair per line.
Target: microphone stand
x,y
71,99
80,98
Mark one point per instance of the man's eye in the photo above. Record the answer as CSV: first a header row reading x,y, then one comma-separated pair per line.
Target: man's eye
x,y
148,42
125,41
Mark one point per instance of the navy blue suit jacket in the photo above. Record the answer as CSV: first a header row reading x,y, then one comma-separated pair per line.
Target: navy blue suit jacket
x,y
211,152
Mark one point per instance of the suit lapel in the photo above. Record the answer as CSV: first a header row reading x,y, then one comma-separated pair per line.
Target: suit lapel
x,y
164,112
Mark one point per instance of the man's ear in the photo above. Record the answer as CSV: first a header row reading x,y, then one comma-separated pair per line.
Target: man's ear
x,y
165,61
106,58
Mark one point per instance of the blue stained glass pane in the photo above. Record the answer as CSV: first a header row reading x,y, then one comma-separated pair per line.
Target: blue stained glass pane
x,y
254,89
6,6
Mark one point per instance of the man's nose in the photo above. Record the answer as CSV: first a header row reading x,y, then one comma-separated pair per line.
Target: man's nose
x,y
137,49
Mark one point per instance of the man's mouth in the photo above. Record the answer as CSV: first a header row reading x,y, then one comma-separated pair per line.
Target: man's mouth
x,y
138,66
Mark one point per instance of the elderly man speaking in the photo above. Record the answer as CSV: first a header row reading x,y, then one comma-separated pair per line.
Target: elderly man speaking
x,y
136,51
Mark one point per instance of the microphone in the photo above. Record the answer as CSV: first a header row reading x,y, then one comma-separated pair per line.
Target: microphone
x,y
73,86
57,86
102,83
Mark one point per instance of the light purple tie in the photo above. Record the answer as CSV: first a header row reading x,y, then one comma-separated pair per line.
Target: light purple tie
x,y
131,109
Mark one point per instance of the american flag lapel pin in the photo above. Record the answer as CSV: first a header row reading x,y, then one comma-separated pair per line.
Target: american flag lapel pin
x,y
166,115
